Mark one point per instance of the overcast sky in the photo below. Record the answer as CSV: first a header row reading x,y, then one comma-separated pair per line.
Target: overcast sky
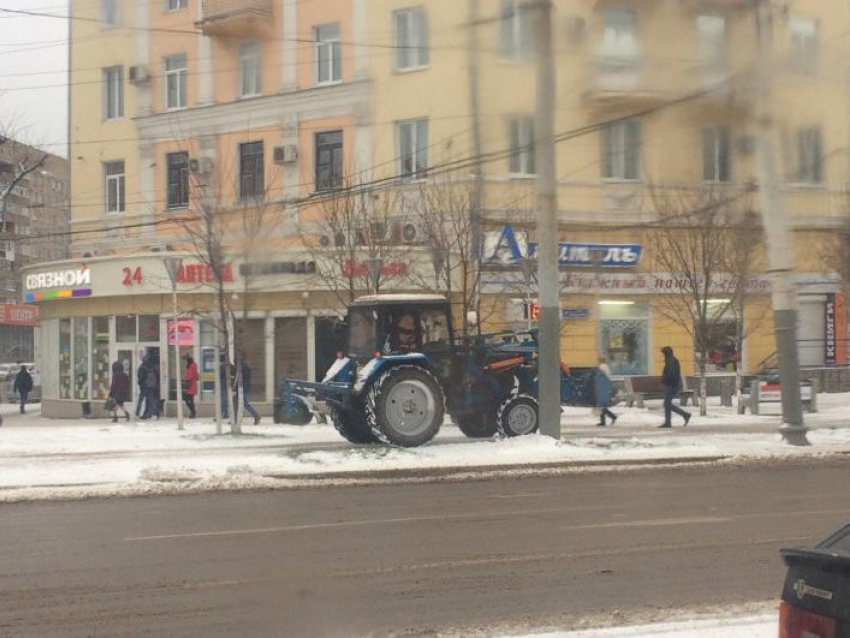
x,y
33,74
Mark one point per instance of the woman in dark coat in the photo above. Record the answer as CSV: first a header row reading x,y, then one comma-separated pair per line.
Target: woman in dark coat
x,y
604,390
119,391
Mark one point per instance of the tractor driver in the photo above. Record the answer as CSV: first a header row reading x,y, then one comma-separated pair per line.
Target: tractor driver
x,y
406,331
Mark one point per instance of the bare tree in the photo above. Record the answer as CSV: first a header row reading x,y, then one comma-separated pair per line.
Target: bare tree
x,y
357,240
17,161
703,243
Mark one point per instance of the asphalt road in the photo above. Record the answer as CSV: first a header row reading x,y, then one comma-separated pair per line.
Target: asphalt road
x,y
411,558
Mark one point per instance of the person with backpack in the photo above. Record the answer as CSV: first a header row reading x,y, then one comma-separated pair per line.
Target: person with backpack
x,y
23,386
142,406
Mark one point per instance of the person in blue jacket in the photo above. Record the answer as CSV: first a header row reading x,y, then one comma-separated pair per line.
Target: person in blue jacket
x,y
604,390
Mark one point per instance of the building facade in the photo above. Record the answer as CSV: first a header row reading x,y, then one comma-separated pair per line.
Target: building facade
x,y
292,143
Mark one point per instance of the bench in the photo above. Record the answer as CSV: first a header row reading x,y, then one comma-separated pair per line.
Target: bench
x,y
640,388
763,392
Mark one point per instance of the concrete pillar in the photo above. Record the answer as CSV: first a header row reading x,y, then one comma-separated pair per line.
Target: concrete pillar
x,y
206,95
289,46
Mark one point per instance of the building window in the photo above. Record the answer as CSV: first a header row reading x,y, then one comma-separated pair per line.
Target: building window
x,y
621,150
114,174
805,43
412,148
515,36
711,30
809,156
620,34
177,168
109,12
176,78
624,332
113,92
328,160
249,69
175,5
716,154
251,171
411,38
328,54
521,131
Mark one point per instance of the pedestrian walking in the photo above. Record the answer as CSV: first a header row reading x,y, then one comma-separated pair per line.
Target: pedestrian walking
x,y
604,389
226,379
246,389
151,390
119,391
142,406
190,386
23,386
671,379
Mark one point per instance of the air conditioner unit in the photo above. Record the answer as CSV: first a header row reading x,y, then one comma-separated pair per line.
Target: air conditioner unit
x,y
139,75
202,165
410,233
325,241
286,154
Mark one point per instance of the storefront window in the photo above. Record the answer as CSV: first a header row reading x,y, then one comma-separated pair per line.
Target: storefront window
x,y
625,337
290,349
100,358
125,329
252,338
64,358
81,358
722,347
148,328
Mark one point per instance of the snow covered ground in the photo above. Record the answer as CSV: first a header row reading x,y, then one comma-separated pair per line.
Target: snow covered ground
x,y
42,458
754,626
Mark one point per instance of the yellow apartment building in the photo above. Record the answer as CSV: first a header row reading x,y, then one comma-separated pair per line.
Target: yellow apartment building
x,y
302,129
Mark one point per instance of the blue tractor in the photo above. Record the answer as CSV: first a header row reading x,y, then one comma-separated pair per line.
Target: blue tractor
x,y
405,369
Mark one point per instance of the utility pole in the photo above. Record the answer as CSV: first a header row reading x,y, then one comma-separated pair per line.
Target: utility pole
x,y
478,174
775,220
549,321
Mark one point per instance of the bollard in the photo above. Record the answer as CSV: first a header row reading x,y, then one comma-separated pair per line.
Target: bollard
x,y
754,397
726,393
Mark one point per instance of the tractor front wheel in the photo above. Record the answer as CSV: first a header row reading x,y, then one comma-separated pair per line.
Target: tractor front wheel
x,y
299,414
352,426
477,425
518,416
405,406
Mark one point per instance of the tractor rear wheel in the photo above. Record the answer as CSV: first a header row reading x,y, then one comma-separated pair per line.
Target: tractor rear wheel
x,y
518,416
352,426
477,425
405,406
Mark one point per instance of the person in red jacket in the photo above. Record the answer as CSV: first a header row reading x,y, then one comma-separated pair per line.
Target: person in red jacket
x,y
190,386
119,391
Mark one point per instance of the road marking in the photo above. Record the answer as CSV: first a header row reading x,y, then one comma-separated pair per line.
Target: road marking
x,y
689,520
597,553
468,516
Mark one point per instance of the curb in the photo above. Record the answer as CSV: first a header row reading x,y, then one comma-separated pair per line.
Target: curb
x,y
485,470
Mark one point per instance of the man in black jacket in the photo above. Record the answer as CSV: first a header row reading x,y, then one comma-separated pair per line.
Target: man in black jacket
x,y
143,407
671,379
23,386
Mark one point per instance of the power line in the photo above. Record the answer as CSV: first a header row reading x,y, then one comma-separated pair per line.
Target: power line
x,y
379,184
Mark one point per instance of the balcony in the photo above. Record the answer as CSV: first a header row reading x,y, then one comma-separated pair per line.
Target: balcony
x,y
235,18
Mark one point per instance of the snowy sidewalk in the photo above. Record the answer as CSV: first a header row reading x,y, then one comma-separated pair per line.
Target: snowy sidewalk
x,y
42,458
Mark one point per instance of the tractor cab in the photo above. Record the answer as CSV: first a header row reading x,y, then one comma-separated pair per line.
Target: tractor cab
x,y
398,325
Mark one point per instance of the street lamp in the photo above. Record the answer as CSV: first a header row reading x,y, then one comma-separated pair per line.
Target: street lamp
x,y
374,265
172,265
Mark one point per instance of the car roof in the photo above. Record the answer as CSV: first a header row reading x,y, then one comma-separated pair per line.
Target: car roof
x,y
398,298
